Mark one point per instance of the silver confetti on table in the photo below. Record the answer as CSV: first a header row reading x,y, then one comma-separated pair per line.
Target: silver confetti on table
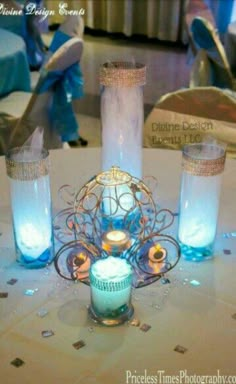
x,y
3,295
30,292
145,327
135,322
47,333
228,235
180,349
42,312
195,283
79,344
17,362
165,280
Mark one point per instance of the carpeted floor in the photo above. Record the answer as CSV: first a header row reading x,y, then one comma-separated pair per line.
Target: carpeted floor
x,y
90,129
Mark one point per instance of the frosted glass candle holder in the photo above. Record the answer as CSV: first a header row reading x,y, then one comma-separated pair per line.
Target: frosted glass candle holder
x,y
203,165
111,285
28,173
122,116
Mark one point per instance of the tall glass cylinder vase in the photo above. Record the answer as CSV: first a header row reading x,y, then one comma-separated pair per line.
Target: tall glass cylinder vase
x,y
203,165
28,172
122,116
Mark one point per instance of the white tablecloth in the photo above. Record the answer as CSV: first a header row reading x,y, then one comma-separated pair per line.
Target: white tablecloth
x,y
198,318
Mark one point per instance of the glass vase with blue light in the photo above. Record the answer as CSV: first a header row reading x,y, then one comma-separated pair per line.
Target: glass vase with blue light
x,y
203,165
28,173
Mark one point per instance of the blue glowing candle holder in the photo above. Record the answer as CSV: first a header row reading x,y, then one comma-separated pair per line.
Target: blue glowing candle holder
x,y
203,165
118,201
111,286
28,172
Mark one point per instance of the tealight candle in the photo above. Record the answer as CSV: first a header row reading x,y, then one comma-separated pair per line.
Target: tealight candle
x,y
116,236
111,283
115,241
156,257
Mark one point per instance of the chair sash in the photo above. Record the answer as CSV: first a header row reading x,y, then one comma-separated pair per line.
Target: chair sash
x,y
206,38
67,85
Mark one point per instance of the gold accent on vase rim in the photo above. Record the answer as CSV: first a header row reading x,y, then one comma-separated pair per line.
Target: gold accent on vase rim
x,y
122,74
203,167
27,170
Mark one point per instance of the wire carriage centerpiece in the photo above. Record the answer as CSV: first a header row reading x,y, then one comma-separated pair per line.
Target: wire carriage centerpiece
x,y
114,214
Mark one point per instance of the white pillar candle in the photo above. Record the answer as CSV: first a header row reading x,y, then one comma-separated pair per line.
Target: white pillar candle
x,y
111,282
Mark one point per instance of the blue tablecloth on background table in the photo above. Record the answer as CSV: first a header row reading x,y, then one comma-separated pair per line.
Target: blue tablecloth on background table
x,y
14,67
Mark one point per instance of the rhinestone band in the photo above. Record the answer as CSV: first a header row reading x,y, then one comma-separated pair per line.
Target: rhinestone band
x,y
28,170
123,74
200,167
110,286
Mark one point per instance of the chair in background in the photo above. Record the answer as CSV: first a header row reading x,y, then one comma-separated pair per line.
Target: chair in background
x,y
210,53
73,26
230,45
49,106
196,8
191,115
200,73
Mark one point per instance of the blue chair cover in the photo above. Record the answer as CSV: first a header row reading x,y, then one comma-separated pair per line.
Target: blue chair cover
x,y
67,85
222,10
205,37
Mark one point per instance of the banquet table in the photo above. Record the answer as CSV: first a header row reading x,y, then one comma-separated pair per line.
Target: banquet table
x,y
14,67
195,311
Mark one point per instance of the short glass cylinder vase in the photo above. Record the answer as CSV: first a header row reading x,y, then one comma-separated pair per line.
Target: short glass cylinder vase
x,y
111,286
122,116
28,173
202,168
